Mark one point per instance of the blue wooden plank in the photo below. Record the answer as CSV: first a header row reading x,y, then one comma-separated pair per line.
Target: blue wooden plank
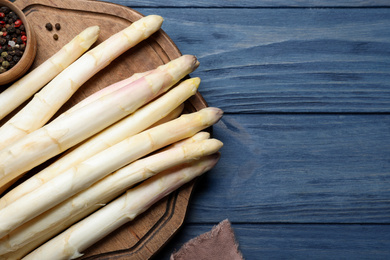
x,y
298,169
298,241
287,60
253,4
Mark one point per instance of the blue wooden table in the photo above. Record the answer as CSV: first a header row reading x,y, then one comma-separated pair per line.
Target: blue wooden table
x,y
305,87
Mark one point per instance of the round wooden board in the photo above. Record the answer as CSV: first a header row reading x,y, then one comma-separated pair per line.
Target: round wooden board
x,y
143,237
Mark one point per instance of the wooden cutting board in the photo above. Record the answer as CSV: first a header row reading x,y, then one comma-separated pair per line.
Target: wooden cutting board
x,y
144,236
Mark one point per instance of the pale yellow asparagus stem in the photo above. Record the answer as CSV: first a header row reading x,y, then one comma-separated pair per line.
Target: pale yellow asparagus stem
x,y
48,100
132,124
195,138
82,175
73,128
172,115
106,91
24,88
47,225
73,241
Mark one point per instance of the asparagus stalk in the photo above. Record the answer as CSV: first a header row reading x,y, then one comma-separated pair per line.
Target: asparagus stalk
x,y
82,175
68,130
130,125
172,115
195,138
85,233
107,90
24,88
47,225
48,100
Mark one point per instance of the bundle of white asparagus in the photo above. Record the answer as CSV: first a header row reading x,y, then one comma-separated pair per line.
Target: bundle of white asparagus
x,y
122,148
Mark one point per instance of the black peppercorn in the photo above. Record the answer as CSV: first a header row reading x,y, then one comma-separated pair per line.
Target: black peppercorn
x,y
13,39
16,58
19,40
4,9
58,26
18,53
49,26
11,29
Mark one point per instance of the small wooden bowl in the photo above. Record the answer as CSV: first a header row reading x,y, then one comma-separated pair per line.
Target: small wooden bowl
x,y
29,53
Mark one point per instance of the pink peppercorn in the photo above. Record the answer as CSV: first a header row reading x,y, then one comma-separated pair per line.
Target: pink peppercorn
x,y
18,23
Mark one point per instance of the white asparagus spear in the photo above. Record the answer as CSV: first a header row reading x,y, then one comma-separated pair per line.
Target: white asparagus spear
x,y
82,175
130,125
50,98
172,115
24,88
73,241
195,138
40,229
66,131
107,90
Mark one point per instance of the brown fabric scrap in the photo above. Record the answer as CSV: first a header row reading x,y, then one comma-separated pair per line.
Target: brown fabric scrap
x,y
219,243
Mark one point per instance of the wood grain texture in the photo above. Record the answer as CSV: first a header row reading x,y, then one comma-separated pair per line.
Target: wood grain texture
x,y
265,241
304,172
144,236
298,169
287,60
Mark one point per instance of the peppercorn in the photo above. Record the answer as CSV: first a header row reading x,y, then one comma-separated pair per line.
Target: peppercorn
x,y
19,40
13,38
11,29
4,9
18,23
55,37
16,58
58,26
5,64
49,26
